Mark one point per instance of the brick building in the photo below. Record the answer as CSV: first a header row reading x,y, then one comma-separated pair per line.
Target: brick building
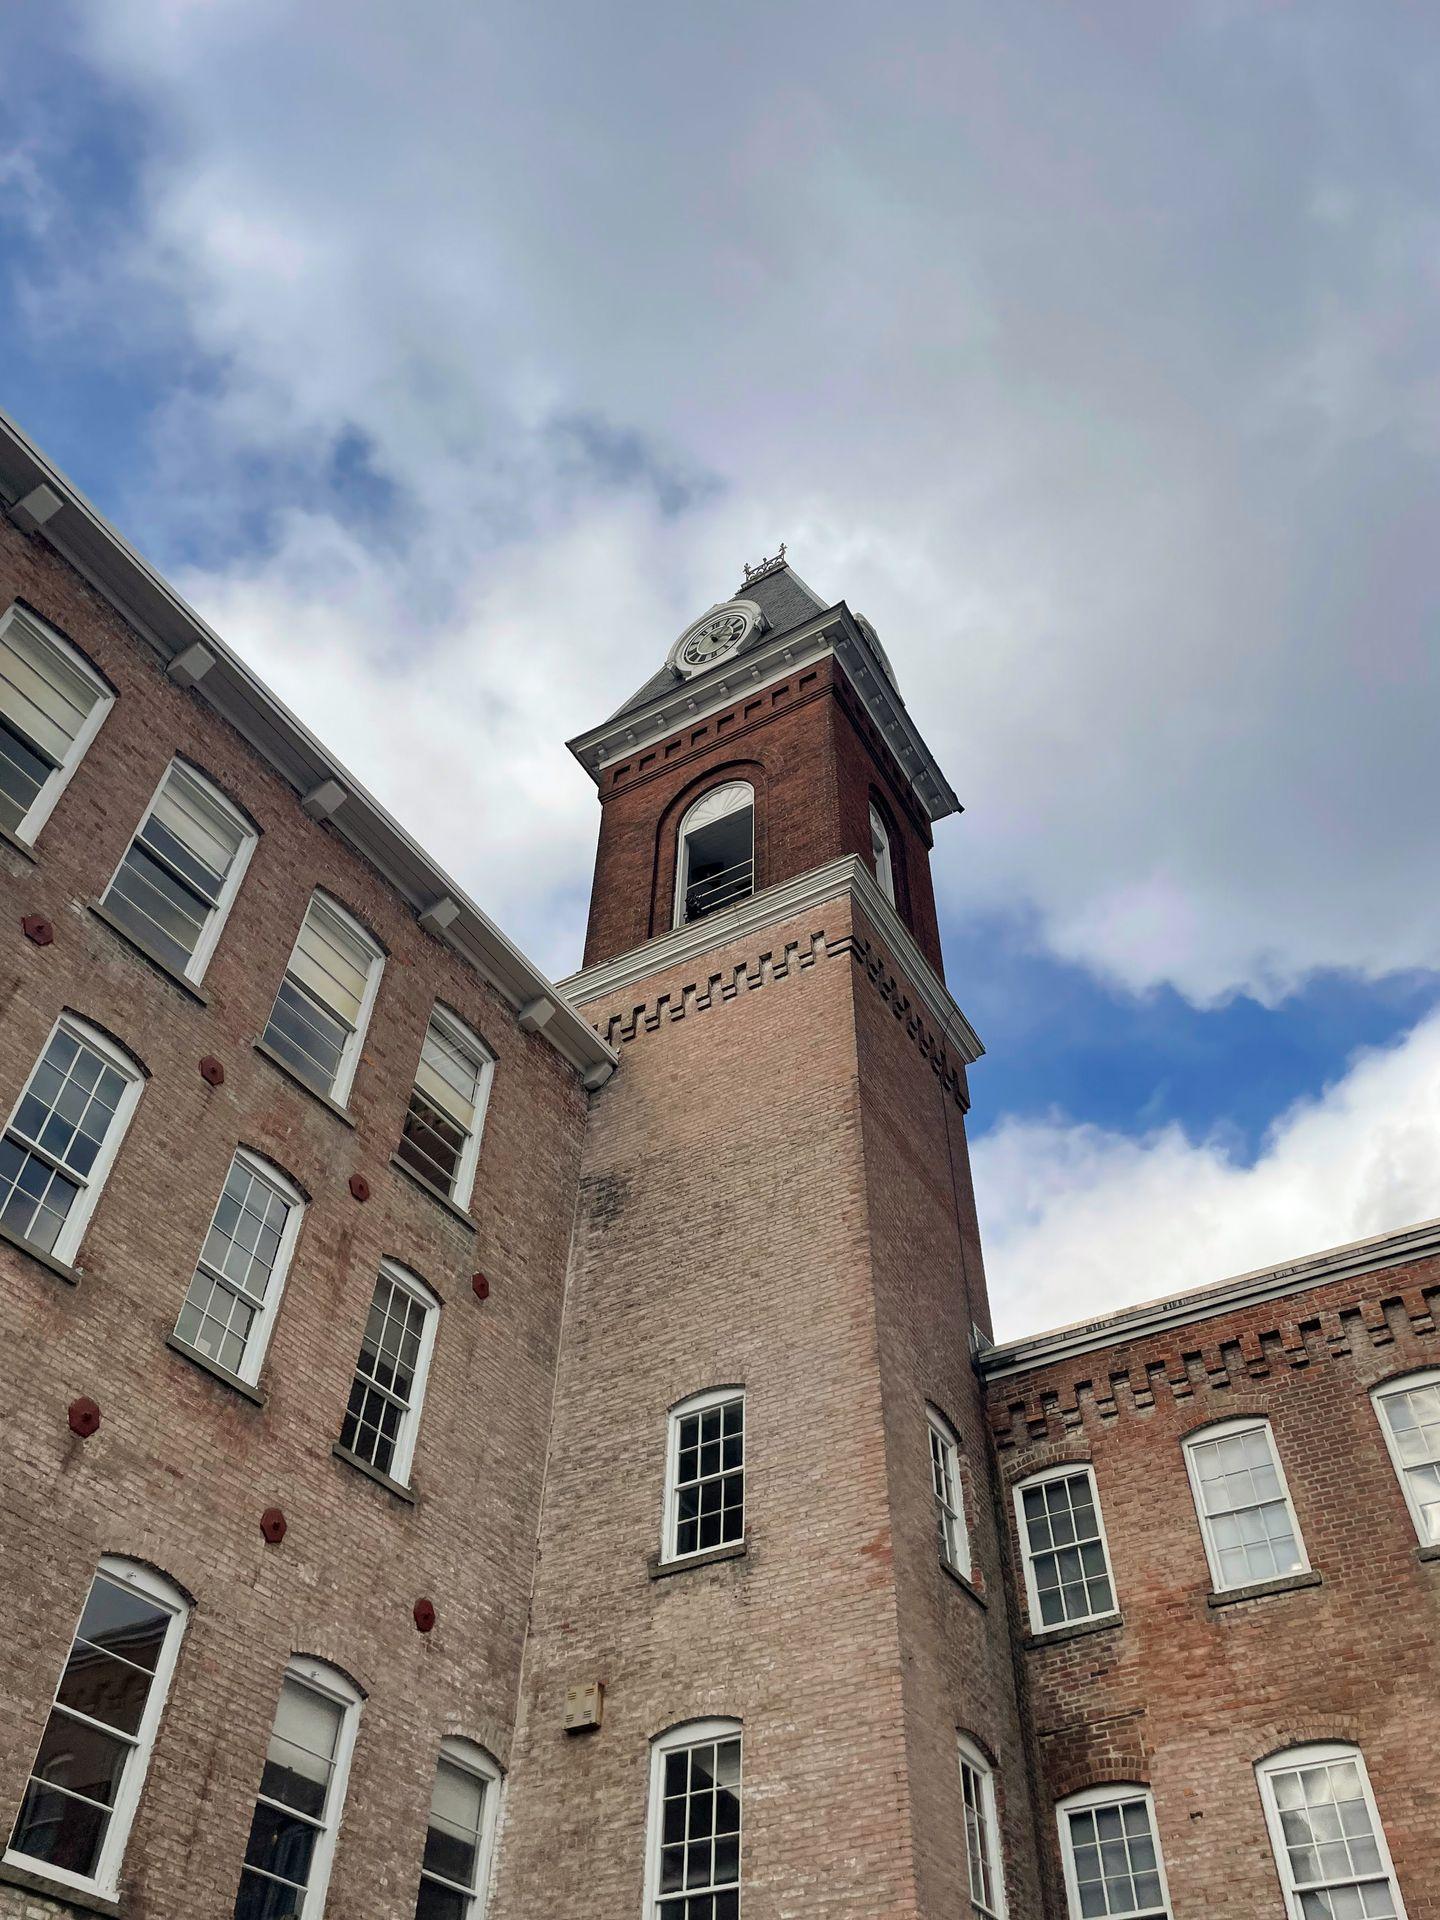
x,y
543,1426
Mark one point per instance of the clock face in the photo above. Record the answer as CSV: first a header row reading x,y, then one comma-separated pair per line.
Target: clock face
x,y
713,638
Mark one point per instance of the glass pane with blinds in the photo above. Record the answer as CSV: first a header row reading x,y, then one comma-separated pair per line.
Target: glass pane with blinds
x,y
442,1111
1413,1416
50,1147
44,698
1331,1846
1245,1509
1117,1867
333,963
450,1874
170,880
700,1832
91,1736
1067,1555
228,1292
710,1478
305,1036
293,1808
384,1385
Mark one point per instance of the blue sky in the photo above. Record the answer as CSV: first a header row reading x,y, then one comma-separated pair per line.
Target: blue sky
x,y
452,361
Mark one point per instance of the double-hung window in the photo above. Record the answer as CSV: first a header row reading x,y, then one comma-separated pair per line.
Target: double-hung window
x,y
1112,1855
455,1875
982,1834
317,1025
302,1789
1409,1415
1249,1526
705,1474
86,1781
949,1499
880,854
231,1303
715,864
180,874
63,1135
1325,1829
693,1857
1062,1541
389,1385
441,1137
51,706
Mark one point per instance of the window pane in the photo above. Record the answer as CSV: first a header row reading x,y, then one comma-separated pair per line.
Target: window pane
x,y
1414,1419
701,1809
305,1036
332,962
1067,1555
267,1899
441,1903
23,772
281,1843
709,1502
449,1076
193,834
44,698
162,912
237,1265
59,1830
1243,1508
1113,1856
430,1144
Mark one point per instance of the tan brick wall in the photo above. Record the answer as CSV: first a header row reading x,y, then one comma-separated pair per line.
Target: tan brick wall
x,y
182,1466
1186,1696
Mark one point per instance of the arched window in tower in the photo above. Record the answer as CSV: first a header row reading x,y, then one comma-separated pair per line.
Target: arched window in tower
x,y
717,852
880,854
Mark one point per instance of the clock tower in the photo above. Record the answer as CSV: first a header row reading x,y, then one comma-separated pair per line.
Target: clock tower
x,y
768,1615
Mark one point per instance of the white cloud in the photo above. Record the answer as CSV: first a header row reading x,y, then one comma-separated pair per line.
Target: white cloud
x,y
1080,1221
1095,358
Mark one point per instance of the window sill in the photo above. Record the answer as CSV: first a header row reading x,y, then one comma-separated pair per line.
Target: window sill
x,y
8,839
75,1898
407,1494
441,1199
1431,1552
659,1569
215,1370
70,1275
172,974
1052,1636
965,1583
298,1080
1291,1583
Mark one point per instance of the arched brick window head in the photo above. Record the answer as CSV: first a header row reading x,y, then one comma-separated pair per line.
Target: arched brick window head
x,y
716,859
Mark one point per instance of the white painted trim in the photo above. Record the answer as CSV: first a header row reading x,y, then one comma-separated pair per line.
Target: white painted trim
x,y
469,1042
694,1733
43,805
411,1284
847,877
1311,1756
87,542
215,918
670,1514
1066,1470
263,1324
937,1424
468,1756
331,1685
1222,1430
105,1881
1110,1795
91,1184
1373,1255
969,1755
1389,1390
339,1088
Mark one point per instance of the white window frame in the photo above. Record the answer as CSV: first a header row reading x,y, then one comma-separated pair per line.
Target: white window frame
x,y
1112,1794
339,1088
105,1881
972,1758
951,1510
882,853
194,968
694,1733
1388,1389
341,1691
470,1042
43,805
468,1756
1067,1470
1220,1430
1319,1754
411,1284
266,1309
92,1184
670,1522
688,825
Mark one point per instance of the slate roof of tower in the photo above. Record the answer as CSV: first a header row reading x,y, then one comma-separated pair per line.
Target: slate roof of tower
x,y
784,599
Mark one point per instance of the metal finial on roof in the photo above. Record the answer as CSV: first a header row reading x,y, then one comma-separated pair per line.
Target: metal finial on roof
x,y
772,565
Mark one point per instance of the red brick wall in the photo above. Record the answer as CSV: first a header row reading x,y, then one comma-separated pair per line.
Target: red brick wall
x,y
1186,1696
182,1466
799,742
